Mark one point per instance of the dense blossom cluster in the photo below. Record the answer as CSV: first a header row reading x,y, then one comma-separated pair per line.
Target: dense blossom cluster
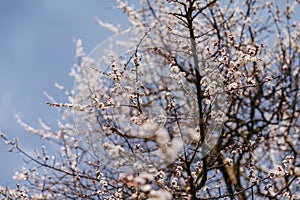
x,y
201,100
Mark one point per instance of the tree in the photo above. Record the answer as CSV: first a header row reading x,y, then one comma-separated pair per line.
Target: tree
x,y
198,100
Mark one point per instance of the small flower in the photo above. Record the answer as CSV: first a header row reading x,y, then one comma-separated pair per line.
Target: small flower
x,y
229,161
271,173
254,180
174,182
103,183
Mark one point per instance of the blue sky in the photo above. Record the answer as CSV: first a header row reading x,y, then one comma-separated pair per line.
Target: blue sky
x,y
36,50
